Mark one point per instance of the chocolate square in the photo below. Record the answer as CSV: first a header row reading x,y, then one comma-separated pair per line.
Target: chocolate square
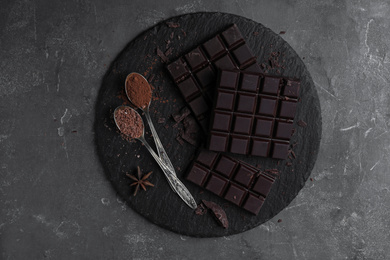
x,y
188,88
291,89
206,77
242,124
232,36
197,174
214,47
235,194
287,109
199,105
280,150
216,184
250,82
178,69
229,79
263,185
264,127
243,55
207,158
268,106
221,122
195,58
244,175
239,144
225,166
271,85
283,130
218,141
246,103
253,204
225,100
260,147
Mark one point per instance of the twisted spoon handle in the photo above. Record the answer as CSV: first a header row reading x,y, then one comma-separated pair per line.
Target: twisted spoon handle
x,y
174,182
160,149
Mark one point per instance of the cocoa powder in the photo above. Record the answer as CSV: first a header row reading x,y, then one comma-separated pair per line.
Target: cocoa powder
x,y
138,90
129,122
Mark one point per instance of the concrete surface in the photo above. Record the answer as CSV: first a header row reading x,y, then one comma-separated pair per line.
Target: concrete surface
x,y
55,201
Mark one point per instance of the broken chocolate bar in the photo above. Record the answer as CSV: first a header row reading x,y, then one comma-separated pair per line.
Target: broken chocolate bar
x,y
253,114
236,181
195,73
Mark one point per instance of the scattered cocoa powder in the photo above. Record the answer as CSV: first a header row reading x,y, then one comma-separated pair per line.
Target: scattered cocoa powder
x,y
139,90
129,122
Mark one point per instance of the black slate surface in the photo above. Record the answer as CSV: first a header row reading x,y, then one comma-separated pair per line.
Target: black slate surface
x,y
159,204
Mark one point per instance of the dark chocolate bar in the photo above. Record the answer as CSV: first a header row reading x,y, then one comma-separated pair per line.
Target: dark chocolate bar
x,y
253,114
231,179
195,73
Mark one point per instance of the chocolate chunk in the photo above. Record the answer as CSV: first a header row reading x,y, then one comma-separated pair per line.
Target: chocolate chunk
x,y
218,212
231,179
251,115
195,73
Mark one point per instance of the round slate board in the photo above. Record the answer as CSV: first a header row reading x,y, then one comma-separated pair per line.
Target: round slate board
x,y
160,204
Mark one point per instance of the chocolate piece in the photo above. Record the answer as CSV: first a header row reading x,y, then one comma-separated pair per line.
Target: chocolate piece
x,y
253,114
231,179
195,73
218,212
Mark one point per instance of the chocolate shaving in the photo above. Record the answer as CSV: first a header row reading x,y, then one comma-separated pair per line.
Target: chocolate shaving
x,y
282,32
162,55
169,51
179,140
172,24
218,212
302,123
179,116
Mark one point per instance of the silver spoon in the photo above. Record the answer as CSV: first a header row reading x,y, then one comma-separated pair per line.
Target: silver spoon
x,y
174,182
160,149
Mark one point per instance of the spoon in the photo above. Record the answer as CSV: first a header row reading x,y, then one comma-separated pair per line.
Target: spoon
x,y
134,128
160,149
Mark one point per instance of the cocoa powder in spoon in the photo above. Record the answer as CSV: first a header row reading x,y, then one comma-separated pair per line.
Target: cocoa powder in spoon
x,y
138,90
129,122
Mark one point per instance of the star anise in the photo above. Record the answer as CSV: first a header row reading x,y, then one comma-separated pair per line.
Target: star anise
x,y
140,181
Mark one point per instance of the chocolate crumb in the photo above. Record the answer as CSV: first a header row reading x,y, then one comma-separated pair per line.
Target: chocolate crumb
x,y
162,55
293,154
288,164
282,32
311,179
161,120
255,33
172,24
218,212
279,220
302,123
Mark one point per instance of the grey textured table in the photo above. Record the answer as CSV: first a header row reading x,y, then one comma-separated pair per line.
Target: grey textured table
x,y
55,201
